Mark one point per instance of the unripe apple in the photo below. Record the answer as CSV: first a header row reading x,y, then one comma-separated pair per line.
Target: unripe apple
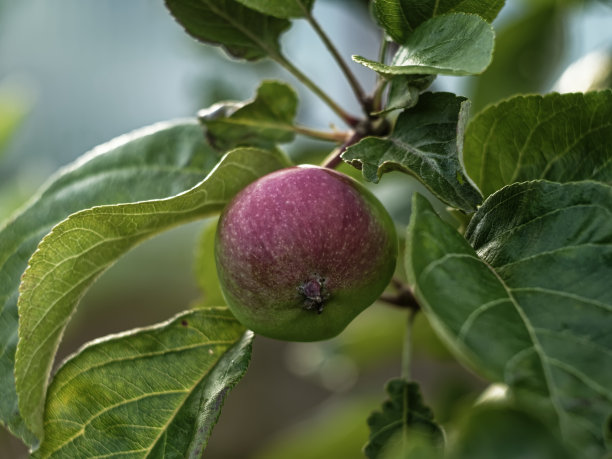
x,y
302,251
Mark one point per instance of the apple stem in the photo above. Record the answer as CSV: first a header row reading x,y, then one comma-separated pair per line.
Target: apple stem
x,y
333,159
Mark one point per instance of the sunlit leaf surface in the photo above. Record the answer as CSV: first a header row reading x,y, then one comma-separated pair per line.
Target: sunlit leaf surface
x,y
453,44
262,122
399,18
164,159
152,392
80,248
558,137
241,31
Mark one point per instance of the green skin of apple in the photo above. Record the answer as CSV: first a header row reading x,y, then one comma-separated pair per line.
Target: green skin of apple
x,y
302,251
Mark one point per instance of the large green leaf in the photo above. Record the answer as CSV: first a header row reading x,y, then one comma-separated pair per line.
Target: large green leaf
x,y
262,122
427,142
280,8
163,159
400,17
152,392
404,417
558,137
452,44
241,31
530,303
80,248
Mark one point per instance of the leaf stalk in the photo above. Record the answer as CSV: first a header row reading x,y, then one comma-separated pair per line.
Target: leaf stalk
x,y
333,136
302,78
362,97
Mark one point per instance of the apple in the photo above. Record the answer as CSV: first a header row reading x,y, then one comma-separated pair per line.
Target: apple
x,y
302,251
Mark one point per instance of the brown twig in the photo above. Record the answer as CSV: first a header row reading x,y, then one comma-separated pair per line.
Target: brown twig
x,y
374,126
333,159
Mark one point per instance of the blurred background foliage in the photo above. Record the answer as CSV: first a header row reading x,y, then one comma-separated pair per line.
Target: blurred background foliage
x,y
74,74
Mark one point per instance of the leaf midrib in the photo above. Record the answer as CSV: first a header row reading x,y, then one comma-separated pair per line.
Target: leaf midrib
x,y
279,125
536,346
111,407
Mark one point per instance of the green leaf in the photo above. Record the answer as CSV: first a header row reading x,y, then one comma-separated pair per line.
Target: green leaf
x,y
151,392
80,248
427,142
504,432
558,137
164,159
280,8
261,122
530,304
241,31
206,268
404,91
404,415
400,18
453,44
390,16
